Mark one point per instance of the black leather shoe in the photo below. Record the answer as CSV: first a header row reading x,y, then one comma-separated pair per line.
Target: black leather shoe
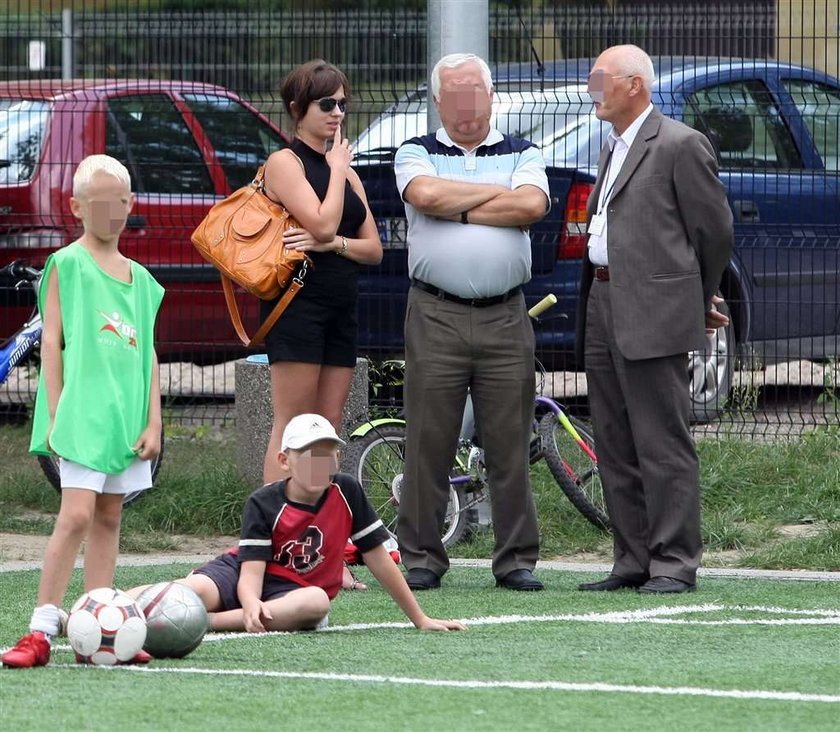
x,y
420,578
522,580
612,583
665,585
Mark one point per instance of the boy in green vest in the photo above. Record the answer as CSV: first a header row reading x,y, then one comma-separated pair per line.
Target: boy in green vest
x,y
98,403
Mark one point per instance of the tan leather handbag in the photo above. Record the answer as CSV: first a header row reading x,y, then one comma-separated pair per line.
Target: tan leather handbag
x,y
242,237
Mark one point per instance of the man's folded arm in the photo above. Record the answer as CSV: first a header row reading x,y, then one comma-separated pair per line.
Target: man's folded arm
x,y
520,207
448,198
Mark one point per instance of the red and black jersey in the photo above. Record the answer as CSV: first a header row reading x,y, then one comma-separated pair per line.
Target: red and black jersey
x,y
303,543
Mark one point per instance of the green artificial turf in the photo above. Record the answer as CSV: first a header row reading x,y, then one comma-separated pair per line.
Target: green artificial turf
x,y
495,676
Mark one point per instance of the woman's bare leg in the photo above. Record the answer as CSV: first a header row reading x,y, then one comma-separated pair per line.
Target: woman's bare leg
x,y
294,390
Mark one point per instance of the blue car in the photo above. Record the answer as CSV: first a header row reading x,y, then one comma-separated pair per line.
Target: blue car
x,y
776,130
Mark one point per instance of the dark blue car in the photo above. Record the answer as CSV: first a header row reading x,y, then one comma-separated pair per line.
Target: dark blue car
x,y
776,130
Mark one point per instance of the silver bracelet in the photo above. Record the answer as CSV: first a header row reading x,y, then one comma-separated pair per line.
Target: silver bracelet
x,y
343,249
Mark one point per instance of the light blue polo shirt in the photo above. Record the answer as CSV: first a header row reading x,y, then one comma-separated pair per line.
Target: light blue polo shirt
x,y
470,260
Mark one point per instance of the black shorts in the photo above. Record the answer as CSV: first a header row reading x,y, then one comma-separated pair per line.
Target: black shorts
x,y
314,329
224,571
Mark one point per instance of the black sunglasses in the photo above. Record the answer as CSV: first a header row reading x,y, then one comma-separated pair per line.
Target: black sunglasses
x,y
328,104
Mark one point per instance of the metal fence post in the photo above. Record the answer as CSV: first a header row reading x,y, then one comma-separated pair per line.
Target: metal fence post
x,y
68,64
455,26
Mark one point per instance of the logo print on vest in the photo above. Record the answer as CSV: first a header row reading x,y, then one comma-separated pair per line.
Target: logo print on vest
x,y
122,330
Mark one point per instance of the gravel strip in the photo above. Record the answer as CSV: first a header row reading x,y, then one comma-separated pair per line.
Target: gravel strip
x,y
146,560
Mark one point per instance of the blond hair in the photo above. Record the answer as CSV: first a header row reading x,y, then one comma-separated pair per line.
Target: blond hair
x,y
93,164
453,60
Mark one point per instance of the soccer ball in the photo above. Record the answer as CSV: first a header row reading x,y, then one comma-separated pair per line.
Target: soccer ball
x,y
106,627
176,619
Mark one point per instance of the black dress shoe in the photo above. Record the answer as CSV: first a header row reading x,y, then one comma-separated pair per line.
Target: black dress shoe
x,y
420,578
610,584
666,585
522,580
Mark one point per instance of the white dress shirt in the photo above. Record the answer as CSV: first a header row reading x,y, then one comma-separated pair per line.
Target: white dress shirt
x,y
619,147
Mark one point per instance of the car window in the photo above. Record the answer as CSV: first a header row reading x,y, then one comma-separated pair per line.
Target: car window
x,y
744,125
241,139
819,105
577,144
22,124
558,120
148,134
536,116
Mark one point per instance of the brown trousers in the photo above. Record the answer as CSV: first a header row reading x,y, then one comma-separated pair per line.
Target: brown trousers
x,y
451,348
646,454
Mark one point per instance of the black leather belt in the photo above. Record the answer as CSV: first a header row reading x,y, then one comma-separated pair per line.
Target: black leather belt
x,y
475,302
602,274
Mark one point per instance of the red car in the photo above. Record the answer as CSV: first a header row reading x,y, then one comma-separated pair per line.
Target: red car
x,y
185,144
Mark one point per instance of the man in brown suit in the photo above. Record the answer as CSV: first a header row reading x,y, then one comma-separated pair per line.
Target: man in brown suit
x,y
660,236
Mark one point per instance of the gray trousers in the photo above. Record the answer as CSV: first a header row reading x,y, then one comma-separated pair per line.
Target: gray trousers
x,y
451,348
646,453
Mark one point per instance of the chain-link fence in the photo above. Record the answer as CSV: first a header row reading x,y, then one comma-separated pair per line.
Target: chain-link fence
x,y
187,95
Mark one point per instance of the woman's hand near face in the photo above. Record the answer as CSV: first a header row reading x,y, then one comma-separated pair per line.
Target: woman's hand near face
x,y
339,156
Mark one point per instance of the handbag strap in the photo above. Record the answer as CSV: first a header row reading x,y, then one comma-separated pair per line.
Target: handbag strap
x,y
268,323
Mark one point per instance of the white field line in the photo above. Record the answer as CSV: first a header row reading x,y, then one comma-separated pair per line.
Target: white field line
x,y
657,615
760,694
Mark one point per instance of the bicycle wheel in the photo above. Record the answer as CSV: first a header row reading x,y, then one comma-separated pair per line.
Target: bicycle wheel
x,y
377,461
575,472
50,467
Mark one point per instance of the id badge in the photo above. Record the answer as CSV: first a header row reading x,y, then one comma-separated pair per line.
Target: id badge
x,y
596,225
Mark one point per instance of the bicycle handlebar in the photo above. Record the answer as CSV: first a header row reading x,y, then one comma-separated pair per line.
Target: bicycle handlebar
x,y
17,270
542,306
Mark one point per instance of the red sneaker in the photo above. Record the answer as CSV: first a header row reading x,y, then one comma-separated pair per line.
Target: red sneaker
x,y
31,650
140,657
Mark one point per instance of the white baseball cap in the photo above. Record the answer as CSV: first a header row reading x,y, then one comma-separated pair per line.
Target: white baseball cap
x,y
305,429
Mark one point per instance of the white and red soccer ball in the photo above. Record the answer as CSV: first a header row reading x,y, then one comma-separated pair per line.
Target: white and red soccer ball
x,y
106,627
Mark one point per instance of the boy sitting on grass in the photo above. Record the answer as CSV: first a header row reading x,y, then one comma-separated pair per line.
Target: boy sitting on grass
x,y
288,565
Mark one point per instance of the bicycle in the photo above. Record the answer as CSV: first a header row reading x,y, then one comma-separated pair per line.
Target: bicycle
x,y
21,345
375,456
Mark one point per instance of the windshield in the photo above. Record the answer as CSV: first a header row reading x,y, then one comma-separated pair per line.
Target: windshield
x,y
560,121
22,125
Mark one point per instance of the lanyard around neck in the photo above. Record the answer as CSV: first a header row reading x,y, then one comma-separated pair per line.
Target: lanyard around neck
x,y
606,196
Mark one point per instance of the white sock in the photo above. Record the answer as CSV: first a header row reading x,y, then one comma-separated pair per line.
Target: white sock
x,y
45,619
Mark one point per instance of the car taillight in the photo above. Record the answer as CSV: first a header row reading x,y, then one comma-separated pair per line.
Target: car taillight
x,y
573,236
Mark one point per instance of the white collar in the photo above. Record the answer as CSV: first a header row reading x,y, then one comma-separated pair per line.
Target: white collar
x,y
631,132
492,138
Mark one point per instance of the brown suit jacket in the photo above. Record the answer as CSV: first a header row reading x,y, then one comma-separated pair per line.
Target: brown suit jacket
x,y
669,239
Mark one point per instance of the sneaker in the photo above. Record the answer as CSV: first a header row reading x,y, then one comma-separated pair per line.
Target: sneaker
x,y
140,657
31,650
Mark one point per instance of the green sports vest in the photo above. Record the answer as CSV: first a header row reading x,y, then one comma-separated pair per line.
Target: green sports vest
x,y
107,362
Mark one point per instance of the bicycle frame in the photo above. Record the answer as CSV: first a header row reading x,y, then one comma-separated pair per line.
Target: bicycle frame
x,y
567,425
21,344
468,480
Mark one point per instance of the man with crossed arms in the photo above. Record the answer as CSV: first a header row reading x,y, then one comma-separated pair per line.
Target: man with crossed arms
x,y
470,193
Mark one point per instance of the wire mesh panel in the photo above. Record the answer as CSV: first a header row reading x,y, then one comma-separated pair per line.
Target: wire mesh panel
x,y
186,94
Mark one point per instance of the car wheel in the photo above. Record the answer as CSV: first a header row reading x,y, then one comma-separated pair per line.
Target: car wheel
x,y
710,373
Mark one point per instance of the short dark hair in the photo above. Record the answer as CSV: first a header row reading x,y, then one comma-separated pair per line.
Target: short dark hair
x,y
309,82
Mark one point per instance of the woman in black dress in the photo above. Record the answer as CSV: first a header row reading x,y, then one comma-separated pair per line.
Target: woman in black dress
x,y
312,348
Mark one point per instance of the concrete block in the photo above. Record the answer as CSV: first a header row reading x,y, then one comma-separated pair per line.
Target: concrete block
x,y
254,414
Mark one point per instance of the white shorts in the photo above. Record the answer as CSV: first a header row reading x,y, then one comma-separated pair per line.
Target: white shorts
x,y
136,477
